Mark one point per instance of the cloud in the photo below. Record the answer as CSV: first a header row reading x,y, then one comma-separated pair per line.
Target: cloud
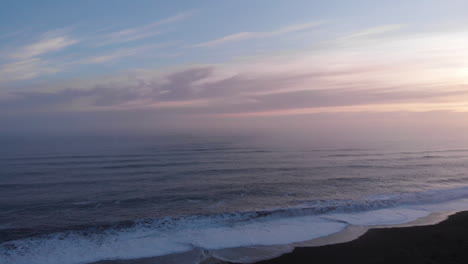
x,y
45,45
405,73
109,57
323,98
254,35
12,34
25,69
118,54
141,32
27,62
185,92
373,31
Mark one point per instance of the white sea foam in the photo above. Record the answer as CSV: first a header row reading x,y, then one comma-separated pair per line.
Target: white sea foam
x,y
390,216
175,235
141,241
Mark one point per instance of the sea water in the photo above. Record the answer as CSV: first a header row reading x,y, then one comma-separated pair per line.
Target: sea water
x,y
70,201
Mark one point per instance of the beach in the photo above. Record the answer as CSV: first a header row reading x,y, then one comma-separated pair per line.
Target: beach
x,y
445,242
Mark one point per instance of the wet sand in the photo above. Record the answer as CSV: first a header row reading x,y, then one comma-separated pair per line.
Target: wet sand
x,y
446,242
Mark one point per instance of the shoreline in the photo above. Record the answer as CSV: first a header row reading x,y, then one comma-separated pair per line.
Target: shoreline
x,y
356,244
443,242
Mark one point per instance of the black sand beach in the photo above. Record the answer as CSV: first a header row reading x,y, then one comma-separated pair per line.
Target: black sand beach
x,y
446,242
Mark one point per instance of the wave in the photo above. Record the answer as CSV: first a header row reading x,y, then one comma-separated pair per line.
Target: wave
x,y
162,236
425,153
189,151
110,157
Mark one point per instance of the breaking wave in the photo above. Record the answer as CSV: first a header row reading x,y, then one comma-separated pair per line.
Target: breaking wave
x,y
162,236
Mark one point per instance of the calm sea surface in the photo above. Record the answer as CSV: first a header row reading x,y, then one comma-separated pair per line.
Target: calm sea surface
x,y
81,201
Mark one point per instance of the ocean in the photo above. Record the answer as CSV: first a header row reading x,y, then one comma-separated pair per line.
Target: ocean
x,y
179,199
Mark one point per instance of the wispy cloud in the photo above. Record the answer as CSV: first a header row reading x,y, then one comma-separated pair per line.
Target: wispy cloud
x,y
25,69
27,61
369,32
110,56
45,45
119,54
12,34
255,35
404,74
33,59
182,92
141,32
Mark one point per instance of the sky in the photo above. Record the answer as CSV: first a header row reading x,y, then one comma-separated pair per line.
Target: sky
x,y
327,67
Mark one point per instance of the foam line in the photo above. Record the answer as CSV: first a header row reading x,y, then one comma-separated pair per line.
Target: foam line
x,y
158,237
